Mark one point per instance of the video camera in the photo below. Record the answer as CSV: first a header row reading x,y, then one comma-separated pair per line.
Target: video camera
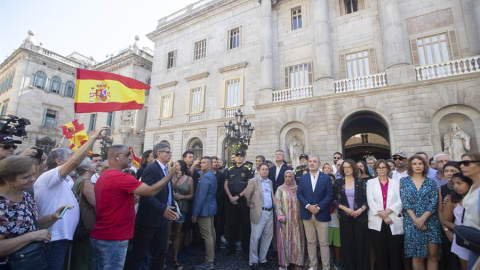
x,y
13,125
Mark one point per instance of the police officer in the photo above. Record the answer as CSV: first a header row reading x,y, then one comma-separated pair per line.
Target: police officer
x,y
238,213
303,168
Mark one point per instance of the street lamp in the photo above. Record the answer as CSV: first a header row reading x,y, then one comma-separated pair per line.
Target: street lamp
x,y
240,132
105,143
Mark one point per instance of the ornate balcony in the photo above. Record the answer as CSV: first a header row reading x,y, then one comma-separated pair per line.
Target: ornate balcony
x,y
293,93
361,83
195,117
450,68
230,112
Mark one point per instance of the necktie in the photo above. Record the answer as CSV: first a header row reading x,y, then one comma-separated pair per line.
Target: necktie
x,y
169,202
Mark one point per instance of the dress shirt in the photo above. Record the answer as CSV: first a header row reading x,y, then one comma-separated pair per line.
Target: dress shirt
x,y
277,171
165,171
266,193
314,179
438,180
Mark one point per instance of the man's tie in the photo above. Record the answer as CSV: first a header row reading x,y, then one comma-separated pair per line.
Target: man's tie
x,y
169,202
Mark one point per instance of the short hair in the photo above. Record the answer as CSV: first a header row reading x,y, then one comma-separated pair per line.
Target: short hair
x,y
264,164
224,161
425,165
12,166
440,155
280,150
144,159
421,153
96,155
114,149
214,157
370,158
158,147
207,158
60,153
338,153
83,166
184,155
262,157
313,155
129,171
352,163
381,161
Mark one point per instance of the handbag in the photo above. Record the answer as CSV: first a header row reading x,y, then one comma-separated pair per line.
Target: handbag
x,y
468,237
87,216
31,256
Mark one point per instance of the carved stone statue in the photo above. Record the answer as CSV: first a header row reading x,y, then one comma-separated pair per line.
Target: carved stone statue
x,y
128,118
295,149
456,142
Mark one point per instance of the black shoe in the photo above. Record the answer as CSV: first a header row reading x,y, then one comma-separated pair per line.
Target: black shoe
x,y
254,266
265,265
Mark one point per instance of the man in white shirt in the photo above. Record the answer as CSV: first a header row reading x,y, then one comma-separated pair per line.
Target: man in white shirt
x,y
97,160
53,189
400,159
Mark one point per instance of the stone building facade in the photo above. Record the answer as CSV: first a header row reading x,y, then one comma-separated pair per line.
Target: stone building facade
x,y
38,84
362,77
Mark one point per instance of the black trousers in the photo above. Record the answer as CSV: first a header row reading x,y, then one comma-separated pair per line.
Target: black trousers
x,y
388,248
143,238
238,221
219,221
355,245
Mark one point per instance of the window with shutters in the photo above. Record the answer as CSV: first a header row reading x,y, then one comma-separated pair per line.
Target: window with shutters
x,y
166,106
172,59
357,64
233,93
4,109
55,84
433,49
93,122
350,6
200,49
40,80
298,75
195,102
234,37
296,18
110,119
69,89
50,119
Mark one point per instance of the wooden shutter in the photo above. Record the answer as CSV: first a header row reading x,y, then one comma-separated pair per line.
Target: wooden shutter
x,y
224,94
310,72
372,57
187,108
414,49
241,85
170,108
286,78
202,102
452,36
343,67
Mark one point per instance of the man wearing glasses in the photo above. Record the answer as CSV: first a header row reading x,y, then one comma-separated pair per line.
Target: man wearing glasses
x,y
8,147
400,159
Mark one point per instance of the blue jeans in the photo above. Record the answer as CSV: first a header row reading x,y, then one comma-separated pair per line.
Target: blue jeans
x,y
56,252
108,255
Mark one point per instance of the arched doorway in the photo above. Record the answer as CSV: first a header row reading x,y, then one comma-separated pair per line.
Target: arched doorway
x,y
365,134
196,146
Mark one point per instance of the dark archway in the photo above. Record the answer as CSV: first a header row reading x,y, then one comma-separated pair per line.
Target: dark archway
x,y
364,134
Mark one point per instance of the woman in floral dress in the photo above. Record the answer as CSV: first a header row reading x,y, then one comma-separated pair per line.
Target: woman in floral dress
x,y
419,196
290,232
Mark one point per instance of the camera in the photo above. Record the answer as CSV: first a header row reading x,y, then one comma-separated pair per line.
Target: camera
x,y
39,153
13,125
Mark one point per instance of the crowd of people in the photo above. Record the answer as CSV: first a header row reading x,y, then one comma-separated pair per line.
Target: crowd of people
x,y
74,210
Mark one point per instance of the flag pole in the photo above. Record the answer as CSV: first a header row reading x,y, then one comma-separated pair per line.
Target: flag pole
x,y
62,140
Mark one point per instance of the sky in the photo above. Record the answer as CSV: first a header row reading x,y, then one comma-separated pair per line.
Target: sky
x,y
90,27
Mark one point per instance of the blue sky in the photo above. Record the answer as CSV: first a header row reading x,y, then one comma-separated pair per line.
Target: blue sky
x,y
90,27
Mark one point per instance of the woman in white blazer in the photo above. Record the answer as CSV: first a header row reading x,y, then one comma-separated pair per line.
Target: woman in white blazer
x,y
385,220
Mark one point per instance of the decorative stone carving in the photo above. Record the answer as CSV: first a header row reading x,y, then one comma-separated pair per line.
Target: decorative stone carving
x,y
186,134
456,142
171,136
156,138
128,118
295,149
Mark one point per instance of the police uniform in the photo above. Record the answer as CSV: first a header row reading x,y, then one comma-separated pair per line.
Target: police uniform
x,y
238,216
299,173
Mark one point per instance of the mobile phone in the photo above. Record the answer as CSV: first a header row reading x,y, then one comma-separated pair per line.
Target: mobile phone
x,y
63,211
107,132
172,164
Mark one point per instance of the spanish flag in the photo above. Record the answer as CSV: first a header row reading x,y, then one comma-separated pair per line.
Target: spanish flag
x,y
136,160
98,91
75,133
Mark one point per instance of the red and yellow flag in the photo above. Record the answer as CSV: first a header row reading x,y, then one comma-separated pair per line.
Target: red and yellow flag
x,y
75,133
98,91
136,160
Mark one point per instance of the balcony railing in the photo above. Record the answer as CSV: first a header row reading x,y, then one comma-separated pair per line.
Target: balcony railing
x,y
230,112
195,117
293,93
450,68
361,83
164,123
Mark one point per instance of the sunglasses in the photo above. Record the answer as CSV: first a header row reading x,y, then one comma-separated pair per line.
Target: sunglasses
x,y
8,146
467,163
398,158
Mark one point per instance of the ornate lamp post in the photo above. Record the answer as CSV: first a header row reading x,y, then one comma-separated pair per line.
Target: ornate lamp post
x,y
240,132
105,144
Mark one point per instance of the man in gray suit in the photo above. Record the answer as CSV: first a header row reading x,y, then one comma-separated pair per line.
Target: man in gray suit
x,y
259,195
204,210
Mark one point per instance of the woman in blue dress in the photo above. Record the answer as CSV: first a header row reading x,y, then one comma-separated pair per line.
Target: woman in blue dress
x,y
419,196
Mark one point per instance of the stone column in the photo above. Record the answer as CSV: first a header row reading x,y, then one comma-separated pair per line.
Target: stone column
x,y
476,7
395,44
471,17
266,59
323,48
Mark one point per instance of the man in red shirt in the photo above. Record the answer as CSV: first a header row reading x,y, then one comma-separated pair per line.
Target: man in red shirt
x,y
115,219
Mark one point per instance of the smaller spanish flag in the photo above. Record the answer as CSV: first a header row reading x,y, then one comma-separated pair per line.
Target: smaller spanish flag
x,y
75,133
98,91
136,160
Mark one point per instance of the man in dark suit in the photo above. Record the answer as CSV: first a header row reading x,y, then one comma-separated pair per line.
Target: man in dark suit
x,y
315,192
151,223
277,173
204,210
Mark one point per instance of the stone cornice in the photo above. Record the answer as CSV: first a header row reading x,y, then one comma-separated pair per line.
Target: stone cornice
x,y
166,85
197,76
233,67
